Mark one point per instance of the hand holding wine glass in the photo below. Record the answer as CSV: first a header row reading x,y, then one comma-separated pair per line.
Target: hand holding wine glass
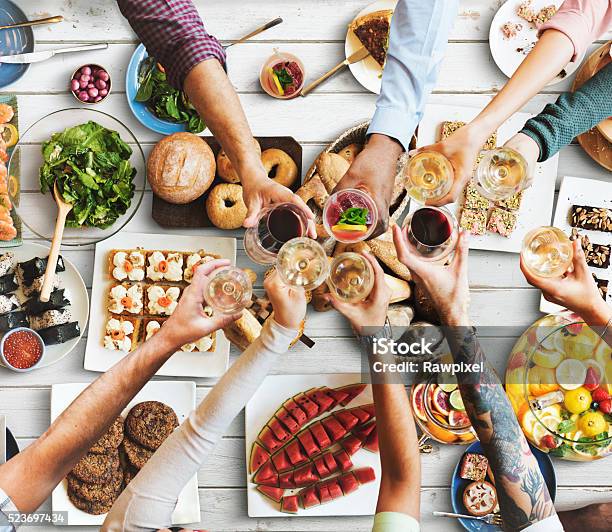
x,y
288,302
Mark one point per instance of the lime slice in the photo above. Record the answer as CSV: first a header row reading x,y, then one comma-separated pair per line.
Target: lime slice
x,y
571,374
448,387
447,382
456,401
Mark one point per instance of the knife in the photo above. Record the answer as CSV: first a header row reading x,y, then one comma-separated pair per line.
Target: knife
x,y
35,57
355,57
2,439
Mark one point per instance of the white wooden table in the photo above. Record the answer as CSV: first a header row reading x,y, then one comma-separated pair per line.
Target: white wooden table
x,y
314,30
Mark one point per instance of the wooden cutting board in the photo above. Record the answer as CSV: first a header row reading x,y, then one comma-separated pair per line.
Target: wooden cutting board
x,y
193,214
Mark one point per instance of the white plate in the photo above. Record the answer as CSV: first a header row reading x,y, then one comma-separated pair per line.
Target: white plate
x,y
508,54
367,72
74,290
273,392
181,364
181,396
582,191
537,204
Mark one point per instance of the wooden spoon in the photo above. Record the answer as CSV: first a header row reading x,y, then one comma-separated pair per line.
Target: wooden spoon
x,y
63,208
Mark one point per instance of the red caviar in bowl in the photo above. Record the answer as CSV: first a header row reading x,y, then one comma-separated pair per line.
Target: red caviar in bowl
x,y
22,349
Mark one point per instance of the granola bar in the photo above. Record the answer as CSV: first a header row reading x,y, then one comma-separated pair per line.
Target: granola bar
x,y
449,127
474,199
502,222
513,203
597,255
474,221
593,218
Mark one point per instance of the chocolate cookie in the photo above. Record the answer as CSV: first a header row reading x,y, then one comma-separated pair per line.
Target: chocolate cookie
x,y
97,493
93,508
96,468
111,439
137,455
150,423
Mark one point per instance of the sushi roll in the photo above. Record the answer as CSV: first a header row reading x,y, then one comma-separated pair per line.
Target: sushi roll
x,y
29,289
12,320
8,303
32,269
57,301
50,318
58,334
8,283
7,263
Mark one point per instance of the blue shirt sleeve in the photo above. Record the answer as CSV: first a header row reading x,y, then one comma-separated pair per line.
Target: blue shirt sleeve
x,y
419,33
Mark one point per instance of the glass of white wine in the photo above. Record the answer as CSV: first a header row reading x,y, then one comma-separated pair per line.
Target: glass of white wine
x,y
351,277
501,173
428,176
302,262
547,252
229,290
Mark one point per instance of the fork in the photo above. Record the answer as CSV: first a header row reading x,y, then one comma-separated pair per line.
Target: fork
x,y
489,519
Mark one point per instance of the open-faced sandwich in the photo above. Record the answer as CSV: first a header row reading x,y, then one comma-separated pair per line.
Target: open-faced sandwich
x,y
126,299
165,266
127,264
162,300
121,334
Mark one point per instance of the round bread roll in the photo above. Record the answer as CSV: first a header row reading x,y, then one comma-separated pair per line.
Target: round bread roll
x,y
286,169
224,165
225,207
181,168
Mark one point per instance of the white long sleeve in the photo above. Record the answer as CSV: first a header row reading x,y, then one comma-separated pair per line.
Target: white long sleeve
x,y
149,499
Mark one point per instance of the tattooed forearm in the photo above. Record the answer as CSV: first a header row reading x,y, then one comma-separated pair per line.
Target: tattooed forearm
x,y
522,493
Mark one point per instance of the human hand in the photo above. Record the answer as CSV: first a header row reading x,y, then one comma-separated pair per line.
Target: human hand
x,y
372,311
576,290
530,151
288,302
188,323
374,171
446,284
261,191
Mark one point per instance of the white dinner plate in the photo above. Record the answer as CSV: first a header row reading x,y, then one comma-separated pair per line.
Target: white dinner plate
x,y
74,290
537,204
508,54
181,364
181,397
592,193
367,71
269,397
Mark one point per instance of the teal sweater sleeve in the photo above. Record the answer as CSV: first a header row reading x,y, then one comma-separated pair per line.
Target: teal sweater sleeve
x,y
572,114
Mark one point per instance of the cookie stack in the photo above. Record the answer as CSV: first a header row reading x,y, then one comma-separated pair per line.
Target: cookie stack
x,y
97,480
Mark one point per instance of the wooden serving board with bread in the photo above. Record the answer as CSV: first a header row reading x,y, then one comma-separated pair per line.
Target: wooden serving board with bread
x,y
185,195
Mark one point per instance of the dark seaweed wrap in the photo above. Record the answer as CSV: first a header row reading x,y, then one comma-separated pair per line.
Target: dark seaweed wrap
x,y
58,334
12,320
57,301
33,268
8,283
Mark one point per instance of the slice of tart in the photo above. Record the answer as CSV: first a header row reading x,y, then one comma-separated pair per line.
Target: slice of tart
x,y
121,334
372,30
162,300
125,299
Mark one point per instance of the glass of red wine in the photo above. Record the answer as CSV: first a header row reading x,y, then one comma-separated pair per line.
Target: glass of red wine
x,y
431,232
275,226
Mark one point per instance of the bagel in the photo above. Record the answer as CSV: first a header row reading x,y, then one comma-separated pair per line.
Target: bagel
x,y
331,168
225,168
225,207
313,190
286,169
350,152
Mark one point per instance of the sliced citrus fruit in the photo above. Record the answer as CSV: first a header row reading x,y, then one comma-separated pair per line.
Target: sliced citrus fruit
x,y
417,401
541,381
548,359
9,134
456,400
571,374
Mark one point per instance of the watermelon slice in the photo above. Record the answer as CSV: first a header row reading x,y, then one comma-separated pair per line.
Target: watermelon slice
x,y
337,395
276,494
333,428
323,492
285,480
295,454
305,475
308,497
277,428
331,462
364,475
371,444
362,415
347,420
268,440
334,488
351,444
287,421
296,412
308,442
349,483
322,469
289,504
320,436
321,398
343,460
363,432
311,408
352,390
258,457
266,475
369,408
281,461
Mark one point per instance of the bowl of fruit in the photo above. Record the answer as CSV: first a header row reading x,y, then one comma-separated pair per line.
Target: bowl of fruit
x,y
558,381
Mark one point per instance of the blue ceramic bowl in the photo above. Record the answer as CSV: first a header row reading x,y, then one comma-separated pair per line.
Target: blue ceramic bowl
x,y
459,484
7,364
13,41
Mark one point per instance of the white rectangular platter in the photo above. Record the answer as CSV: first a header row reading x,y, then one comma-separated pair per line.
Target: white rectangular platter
x,y
274,391
181,396
181,364
592,193
537,204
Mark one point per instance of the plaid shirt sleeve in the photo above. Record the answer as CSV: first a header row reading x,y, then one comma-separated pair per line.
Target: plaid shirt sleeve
x,y
173,33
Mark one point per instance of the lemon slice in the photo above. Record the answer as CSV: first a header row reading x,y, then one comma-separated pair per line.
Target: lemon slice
x,y
277,83
528,421
350,227
548,359
544,428
571,374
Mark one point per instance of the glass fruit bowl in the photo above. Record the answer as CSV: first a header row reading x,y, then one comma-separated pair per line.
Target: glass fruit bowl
x,y
38,211
558,381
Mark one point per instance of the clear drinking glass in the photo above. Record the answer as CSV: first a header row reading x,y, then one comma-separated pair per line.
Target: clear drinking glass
x,y
501,173
547,252
302,262
432,232
429,176
351,277
350,215
229,290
